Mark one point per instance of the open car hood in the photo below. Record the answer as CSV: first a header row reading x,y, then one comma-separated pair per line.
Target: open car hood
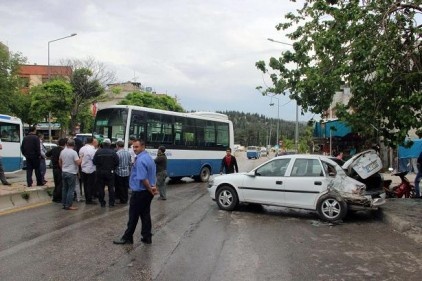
x,y
365,164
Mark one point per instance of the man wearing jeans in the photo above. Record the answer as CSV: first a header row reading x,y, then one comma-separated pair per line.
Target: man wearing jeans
x,y
418,176
142,182
69,162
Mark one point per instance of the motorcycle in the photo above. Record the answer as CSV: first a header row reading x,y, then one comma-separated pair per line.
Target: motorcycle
x,y
403,189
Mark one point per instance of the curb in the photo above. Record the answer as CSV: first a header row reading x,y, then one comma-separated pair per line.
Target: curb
x,y
15,200
396,222
403,216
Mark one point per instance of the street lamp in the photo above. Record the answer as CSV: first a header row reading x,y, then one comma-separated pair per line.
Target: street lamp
x,y
71,35
278,116
49,72
297,106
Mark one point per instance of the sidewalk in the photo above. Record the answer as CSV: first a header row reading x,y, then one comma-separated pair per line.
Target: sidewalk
x,y
403,215
12,196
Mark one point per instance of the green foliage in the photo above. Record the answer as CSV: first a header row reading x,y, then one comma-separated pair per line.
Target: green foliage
x,y
160,101
255,129
25,195
9,81
53,97
86,89
372,46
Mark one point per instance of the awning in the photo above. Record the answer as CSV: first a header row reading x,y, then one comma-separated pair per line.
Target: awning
x,y
338,129
412,152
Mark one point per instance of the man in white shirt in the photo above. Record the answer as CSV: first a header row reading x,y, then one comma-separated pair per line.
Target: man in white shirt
x,y
86,153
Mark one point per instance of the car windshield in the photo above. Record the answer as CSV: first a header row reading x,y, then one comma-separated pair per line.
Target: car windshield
x,y
275,168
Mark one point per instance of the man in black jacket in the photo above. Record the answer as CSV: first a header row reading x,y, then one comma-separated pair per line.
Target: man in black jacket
x,y
229,163
54,155
31,149
106,161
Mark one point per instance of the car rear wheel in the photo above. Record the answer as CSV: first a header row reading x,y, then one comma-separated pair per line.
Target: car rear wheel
x,y
227,198
331,209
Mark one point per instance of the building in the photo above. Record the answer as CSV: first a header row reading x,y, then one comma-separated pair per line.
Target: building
x,y
33,75
116,92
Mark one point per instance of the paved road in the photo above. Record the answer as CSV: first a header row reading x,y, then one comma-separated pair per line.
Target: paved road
x,y
194,240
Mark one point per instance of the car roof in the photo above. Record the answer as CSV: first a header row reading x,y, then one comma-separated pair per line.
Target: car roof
x,y
306,156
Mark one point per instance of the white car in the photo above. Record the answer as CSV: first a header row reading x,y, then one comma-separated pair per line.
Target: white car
x,y
48,146
311,182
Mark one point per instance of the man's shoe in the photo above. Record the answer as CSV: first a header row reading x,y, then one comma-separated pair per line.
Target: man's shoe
x,y
103,205
111,205
122,241
90,202
7,183
71,208
146,240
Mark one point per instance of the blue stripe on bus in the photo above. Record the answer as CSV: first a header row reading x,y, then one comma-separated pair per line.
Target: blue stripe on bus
x,y
12,164
191,167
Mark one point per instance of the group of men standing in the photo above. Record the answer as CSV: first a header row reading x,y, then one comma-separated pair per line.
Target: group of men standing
x,y
118,169
96,167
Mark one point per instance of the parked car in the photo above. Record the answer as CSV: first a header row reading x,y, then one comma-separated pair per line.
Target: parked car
x,y
48,146
253,152
83,137
311,182
264,151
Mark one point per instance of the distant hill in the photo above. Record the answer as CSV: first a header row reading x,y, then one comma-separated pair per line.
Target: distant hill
x,y
255,129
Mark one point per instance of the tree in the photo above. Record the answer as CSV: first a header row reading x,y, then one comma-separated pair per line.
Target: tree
x,y
149,100
85,91
89,79
372,46
53,98
9,81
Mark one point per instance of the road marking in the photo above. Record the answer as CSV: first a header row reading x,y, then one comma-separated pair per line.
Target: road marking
x,y
15,210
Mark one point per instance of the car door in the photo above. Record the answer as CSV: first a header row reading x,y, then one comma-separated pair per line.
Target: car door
x,y
305,183
266,185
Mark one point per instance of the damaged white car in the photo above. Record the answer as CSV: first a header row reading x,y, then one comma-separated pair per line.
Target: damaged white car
x,y
311,182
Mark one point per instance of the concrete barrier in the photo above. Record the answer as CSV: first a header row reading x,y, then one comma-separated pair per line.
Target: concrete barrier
x,y
16,200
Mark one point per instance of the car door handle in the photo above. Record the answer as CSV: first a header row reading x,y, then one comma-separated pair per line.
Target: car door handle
x,y
278,182
317,183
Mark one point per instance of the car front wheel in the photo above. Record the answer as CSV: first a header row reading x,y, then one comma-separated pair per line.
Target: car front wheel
x,y
227,198
331,209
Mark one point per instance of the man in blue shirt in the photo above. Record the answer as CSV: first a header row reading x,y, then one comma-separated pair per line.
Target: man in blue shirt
x,y
142,182
418,176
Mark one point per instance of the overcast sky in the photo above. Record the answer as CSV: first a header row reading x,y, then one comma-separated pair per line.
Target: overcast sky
x,y
203,52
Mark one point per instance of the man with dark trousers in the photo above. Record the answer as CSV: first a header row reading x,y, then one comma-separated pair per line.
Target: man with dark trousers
x,y
54,155
31,149
106,161
88,170
122,173
142,182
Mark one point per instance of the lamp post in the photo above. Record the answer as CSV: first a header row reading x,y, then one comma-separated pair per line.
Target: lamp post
x,y
278,116
71,35
49,74
297,106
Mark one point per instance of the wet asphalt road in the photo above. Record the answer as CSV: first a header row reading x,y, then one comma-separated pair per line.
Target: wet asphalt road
x,y
194,240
